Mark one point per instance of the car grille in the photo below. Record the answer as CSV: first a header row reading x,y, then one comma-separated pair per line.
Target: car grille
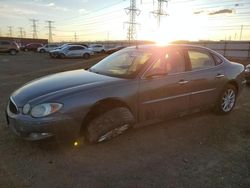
x,y
12,107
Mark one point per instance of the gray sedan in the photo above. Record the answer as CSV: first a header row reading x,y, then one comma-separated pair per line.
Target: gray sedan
x,y
72,51
132,87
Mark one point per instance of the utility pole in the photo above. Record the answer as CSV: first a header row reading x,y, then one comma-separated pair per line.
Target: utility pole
x,y
75,36
21,31
241,30
10,31
0,32
34,28
132,11
50,27
160,11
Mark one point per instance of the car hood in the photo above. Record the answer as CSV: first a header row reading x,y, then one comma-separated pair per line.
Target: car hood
x,y
58,83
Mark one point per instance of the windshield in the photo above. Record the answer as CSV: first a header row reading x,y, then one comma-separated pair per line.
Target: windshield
x,y
126,63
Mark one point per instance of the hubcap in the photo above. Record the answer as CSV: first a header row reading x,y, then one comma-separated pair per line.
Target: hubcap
x,y
113,133
228,100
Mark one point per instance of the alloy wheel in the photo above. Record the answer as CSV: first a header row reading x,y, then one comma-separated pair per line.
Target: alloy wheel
x,y
228,100
113,133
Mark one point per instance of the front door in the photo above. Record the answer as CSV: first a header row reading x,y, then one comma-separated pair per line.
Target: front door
x,y
164,89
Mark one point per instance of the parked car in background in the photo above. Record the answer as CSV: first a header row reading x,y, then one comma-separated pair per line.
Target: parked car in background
x,y
10,47
71,51
47,48
32,47
134,86
247,74
98,48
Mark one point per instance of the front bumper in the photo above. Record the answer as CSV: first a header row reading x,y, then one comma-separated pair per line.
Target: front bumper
x,y
60,126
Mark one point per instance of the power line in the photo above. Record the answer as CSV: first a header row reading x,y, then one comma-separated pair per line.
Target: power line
x,y
50,30
132,11
34,28
160,12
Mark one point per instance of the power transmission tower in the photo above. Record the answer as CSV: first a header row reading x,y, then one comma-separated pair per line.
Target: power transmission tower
x,y
132,11
21,32
10,34
75,36
34,28
241,30
160,11
50,27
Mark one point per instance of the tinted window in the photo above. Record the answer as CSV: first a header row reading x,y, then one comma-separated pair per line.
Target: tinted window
x,y
76,48
200,60
5,43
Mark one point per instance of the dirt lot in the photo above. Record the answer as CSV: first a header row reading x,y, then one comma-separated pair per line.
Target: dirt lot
x,y
201,150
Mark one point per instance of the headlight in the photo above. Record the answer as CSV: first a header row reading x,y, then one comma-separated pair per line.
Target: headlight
x,y
45,109
247,68
26,109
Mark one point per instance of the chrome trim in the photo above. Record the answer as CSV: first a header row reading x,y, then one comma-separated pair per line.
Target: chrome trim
x,y
166,98
202,91
177,96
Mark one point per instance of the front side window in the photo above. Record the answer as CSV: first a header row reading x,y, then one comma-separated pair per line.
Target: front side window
x,y
200,60
125,63
172,62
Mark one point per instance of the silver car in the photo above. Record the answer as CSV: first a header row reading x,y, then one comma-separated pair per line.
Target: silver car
x,y
72,51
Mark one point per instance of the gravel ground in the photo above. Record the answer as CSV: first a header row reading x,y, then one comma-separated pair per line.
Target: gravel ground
x,y
199,150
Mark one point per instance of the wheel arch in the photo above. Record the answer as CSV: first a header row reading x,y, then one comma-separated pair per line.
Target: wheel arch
x,y
100,107
235,84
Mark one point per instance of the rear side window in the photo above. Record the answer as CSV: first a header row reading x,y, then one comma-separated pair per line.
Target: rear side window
x,y
217,59
5,43
200,60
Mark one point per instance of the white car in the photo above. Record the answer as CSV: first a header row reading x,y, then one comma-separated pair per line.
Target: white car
x,y
72,51
47,48
98,48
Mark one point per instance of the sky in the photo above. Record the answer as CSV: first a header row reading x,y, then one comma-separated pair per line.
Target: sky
x,y
92,20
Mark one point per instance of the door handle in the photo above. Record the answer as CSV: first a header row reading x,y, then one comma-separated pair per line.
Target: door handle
x,y
220,75
183,82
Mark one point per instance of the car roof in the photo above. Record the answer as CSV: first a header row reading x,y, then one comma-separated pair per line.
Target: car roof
x,y
151,46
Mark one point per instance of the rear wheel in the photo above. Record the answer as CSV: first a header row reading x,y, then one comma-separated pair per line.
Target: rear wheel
x,y
109,125
227,100
86,56
13,52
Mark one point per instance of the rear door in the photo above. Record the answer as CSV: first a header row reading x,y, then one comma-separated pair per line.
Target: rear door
x,y
206,77
166,92
75,51
4,46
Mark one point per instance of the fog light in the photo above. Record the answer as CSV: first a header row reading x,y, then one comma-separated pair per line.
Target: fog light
x,y
75,143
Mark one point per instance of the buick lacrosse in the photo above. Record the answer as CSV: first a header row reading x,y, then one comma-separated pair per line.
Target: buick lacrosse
x,y
132,87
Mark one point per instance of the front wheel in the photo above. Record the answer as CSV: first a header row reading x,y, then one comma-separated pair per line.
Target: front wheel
x,y
227,100
109,125
13,52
